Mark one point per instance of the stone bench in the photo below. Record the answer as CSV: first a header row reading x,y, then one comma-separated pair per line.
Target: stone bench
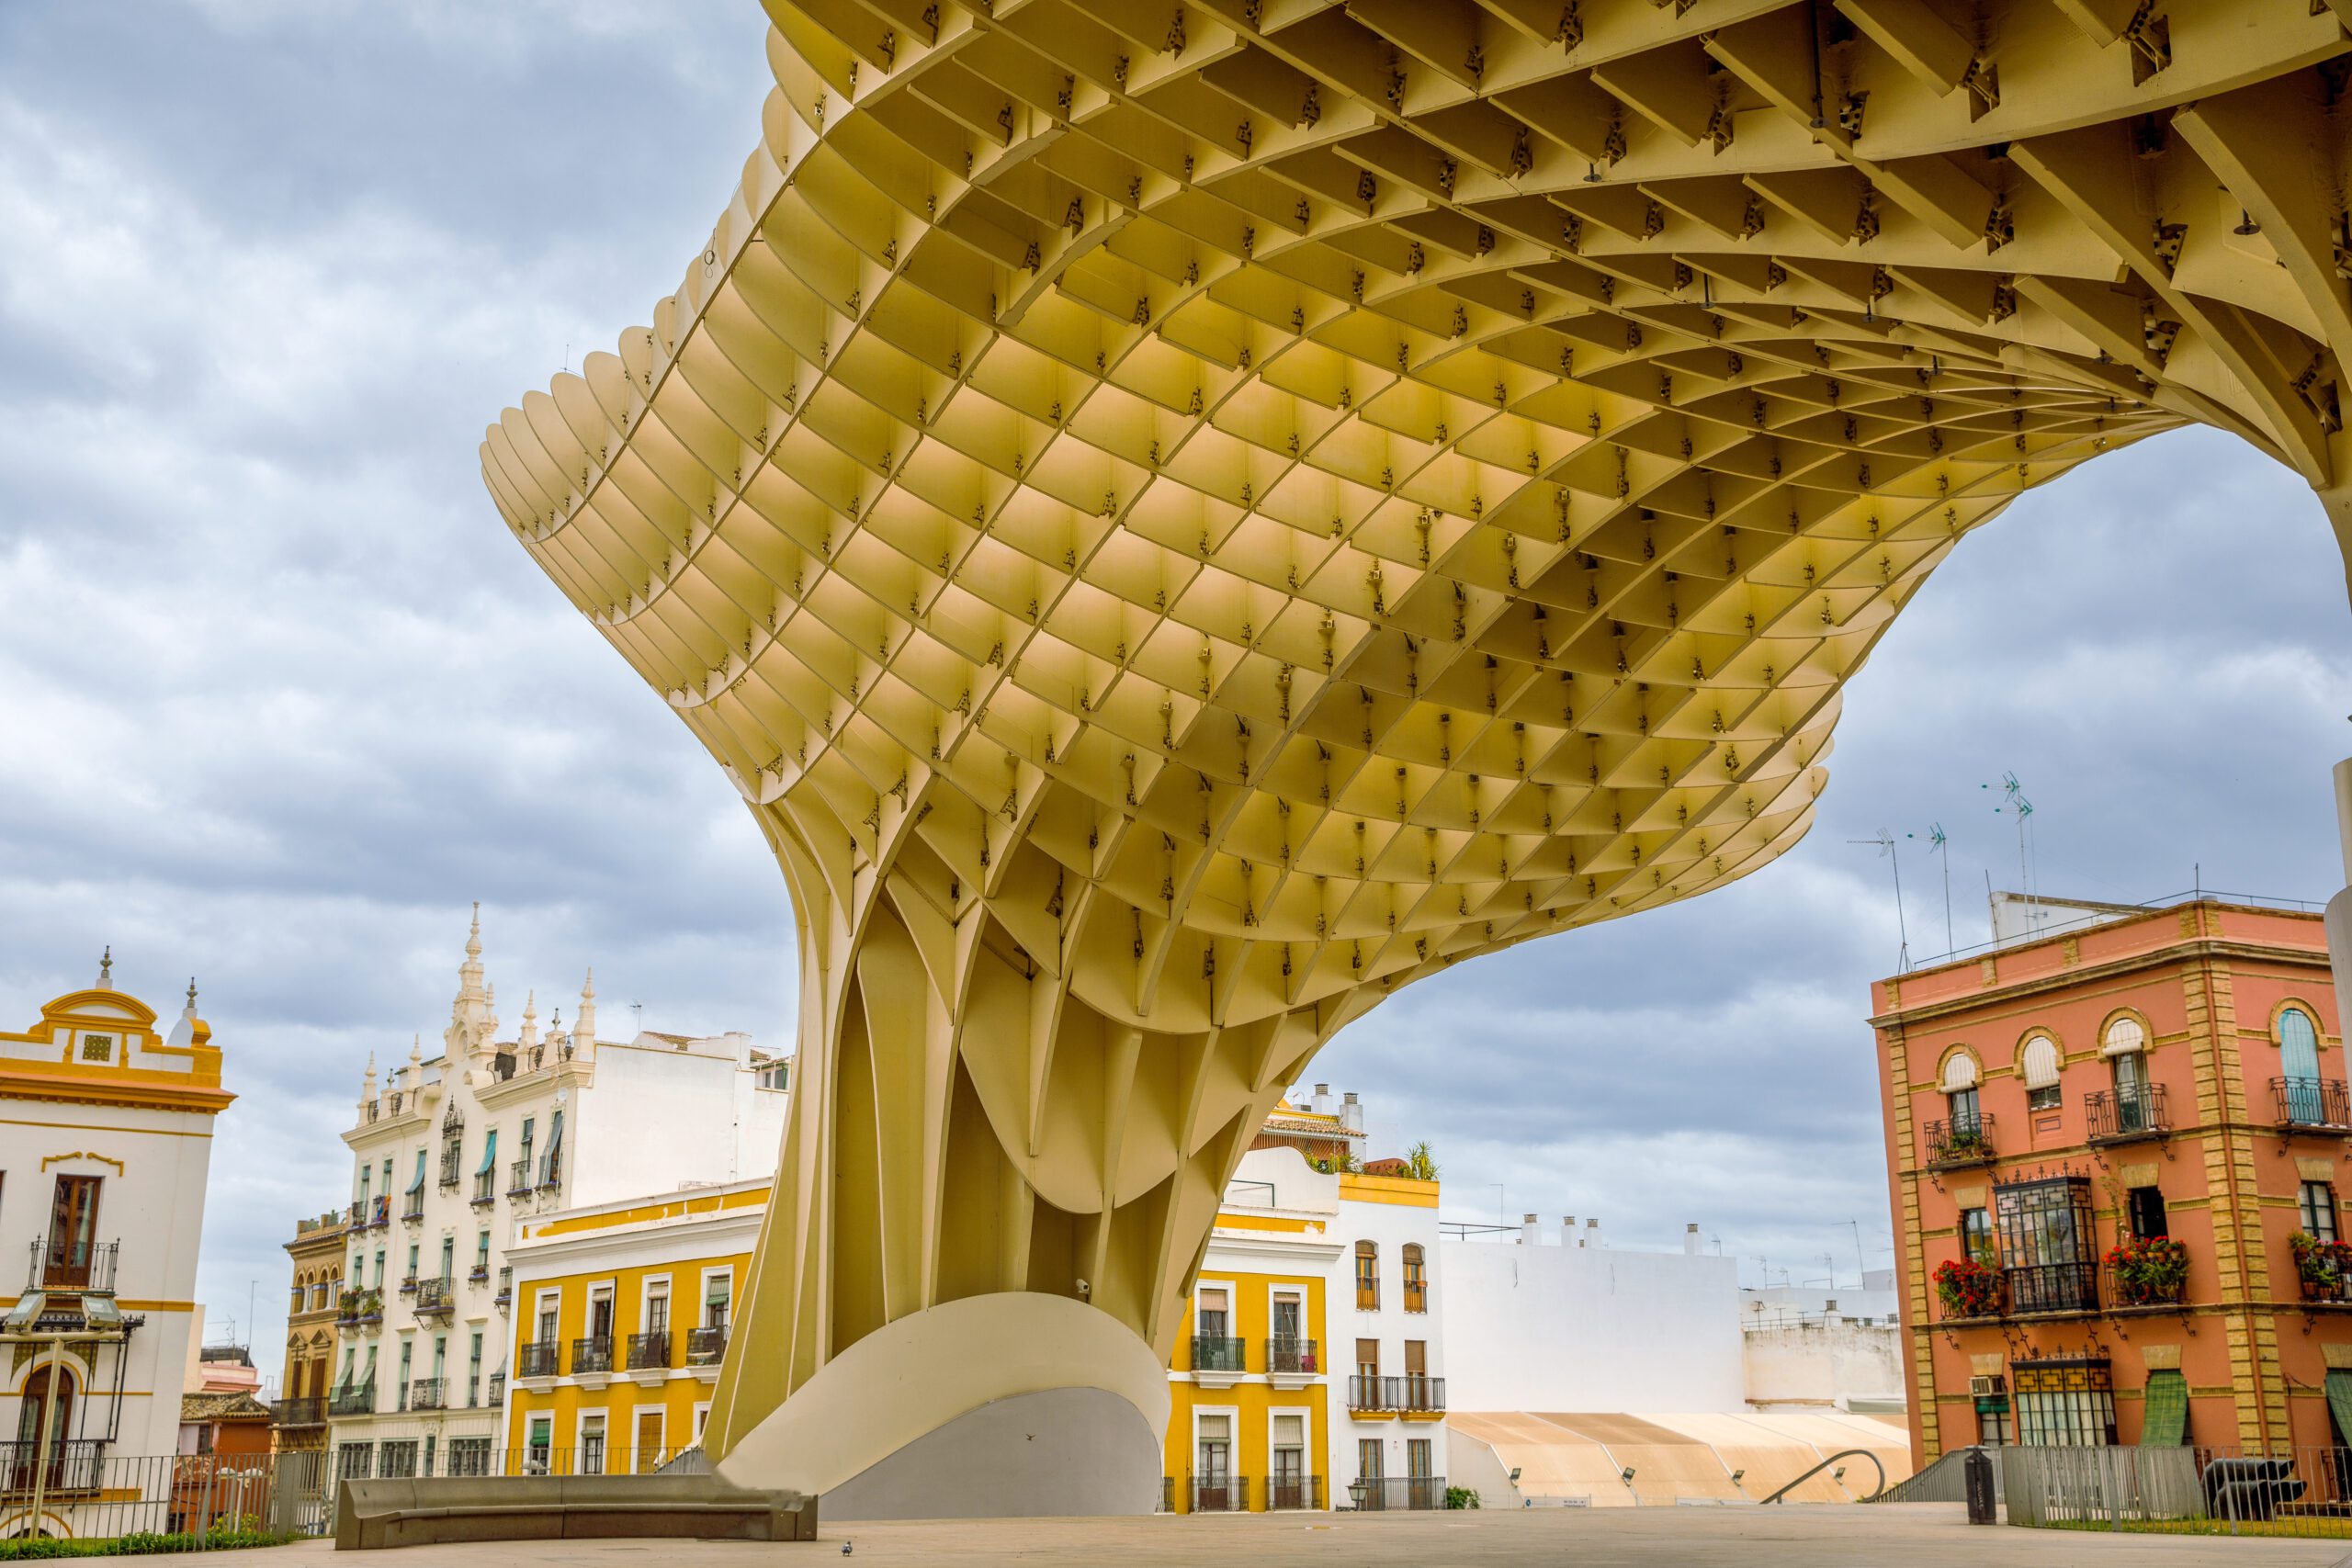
x,y
411,1512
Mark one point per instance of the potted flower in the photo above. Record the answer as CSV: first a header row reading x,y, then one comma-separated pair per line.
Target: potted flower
x,y
2323,1267
1967,1288
2147,1270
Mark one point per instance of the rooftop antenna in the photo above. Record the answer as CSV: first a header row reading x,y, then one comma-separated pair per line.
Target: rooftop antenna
x,y
1941,845
1885,843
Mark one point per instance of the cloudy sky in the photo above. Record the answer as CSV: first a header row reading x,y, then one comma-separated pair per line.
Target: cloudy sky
x,y
279,696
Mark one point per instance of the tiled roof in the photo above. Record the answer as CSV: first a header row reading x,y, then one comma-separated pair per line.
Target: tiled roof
x,y
233,1405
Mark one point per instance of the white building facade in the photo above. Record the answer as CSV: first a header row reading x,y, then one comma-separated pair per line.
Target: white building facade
x,y
103,1165
454,1151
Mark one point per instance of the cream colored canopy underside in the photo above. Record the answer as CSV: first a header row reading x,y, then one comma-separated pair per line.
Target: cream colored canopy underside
x,y
1182,518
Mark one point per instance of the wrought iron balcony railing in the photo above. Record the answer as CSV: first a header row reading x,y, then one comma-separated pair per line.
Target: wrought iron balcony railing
x,y
707,1346
518,1178
435,1296
2130,1284
649,1350
1410,1394
1219,1353
1299,1357
592,1353
359,1307
1390,1493
427,1393
1417,1295
1287,1492
1220,1493
71,1466
62,1266
477,1275
2052,1287
1966,1140
2311,1102
497,1389
2118,1116
412,1208
353,1399
485,1189
308,1411
506,1288
535,1360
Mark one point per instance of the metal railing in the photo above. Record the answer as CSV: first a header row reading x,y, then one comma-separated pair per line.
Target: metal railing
x,y
71,1266
2186,1490
1219,1353
2311,1102
353,1399
706,1347
518,1178
506,1288
306,1412
1300,1358
477,1275
551,1169
1167,1493
537,1360
497,1389
359,1307
433,1295
2117,1116
74,1466
1284,1493
412,1207
1220,1493
1399,1493
102,1496
2052,1287
428,1394
2327,1289
2123,1290
485,1189
450,1175
649,1350
1966,1140
592,1353
1410,1393
1417,1295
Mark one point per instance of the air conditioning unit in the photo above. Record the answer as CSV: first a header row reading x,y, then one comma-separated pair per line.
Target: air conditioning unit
x,y
1986,1385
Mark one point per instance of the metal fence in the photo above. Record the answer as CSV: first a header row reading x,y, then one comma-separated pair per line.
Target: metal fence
x,y
2189,1489
81,1490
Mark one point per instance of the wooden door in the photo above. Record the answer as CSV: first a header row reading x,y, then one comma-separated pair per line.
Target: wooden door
x,y
648,1442
72,1231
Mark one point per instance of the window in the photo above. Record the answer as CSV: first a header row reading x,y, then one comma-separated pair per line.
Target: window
x,y
776,1075
1417,1279
2040,1062
2299,1066
2065,1403
448,1256
1960,1105
72,1231
470,1456
2134,1105
440,1356
352,1460
1214,1437
431,1440
591,1444
1417,1457
1368,1456
2318,1210
1211,1315
1976,1237
408,1350
548,1304
537,1444
600,1313
473,1373
1367,1276
715,1289
2163,1410
2143,1211
2046,1243
1287,1472
397,1458
656,1307
481,1252
1994,1425
380,1268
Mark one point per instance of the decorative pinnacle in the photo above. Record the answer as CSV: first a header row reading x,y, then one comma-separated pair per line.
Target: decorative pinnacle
x,y
473,936
106,969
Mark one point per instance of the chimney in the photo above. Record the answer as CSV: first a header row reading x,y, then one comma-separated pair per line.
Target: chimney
x,y
1530,1233
1321,1104
1568,1231
1592,1232
1351,1112
1689,1241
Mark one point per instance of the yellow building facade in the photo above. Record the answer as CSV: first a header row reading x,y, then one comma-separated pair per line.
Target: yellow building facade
x,y
622,1315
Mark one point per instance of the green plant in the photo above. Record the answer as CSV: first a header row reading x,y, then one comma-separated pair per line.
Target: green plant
x,y
1967,1288
139,1544
2324,1266
1419,1163
2147,1270
1459,1497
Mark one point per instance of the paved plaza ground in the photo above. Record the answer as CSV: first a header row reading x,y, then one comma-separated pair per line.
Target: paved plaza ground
x,y
1915,1535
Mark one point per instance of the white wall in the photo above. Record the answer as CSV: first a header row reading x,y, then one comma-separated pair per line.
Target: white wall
x,y
1830,1363
654,1119
1551,1327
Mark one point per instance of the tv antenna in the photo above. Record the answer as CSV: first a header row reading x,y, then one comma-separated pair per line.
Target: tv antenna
x,y
2022,810
1938,844
1885,843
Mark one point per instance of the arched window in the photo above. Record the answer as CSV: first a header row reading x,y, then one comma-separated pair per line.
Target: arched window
x,y
1417,1280
2040,1062
1367,1276
2124,1045
2124,1037
1959,1094
2299,1067
36,1397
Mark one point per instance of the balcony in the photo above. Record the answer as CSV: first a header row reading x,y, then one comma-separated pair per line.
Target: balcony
x,y
2049,1288
518,1179
2311,1102
706,1349
1398,1493
1408,1396
1417,1294
412,1208
428,1394
72,1466
552,1171
360,1309
591,1356
477,1275
2150,1275
1961,1142
408,1286
380,1213
434,1298
1218,1360
647,1358
506,1296
73,1267
299,1412
1287,1492
536,1362
353,1399
485,1189
1292,1363
2124,1116
497,1389
1221,1495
